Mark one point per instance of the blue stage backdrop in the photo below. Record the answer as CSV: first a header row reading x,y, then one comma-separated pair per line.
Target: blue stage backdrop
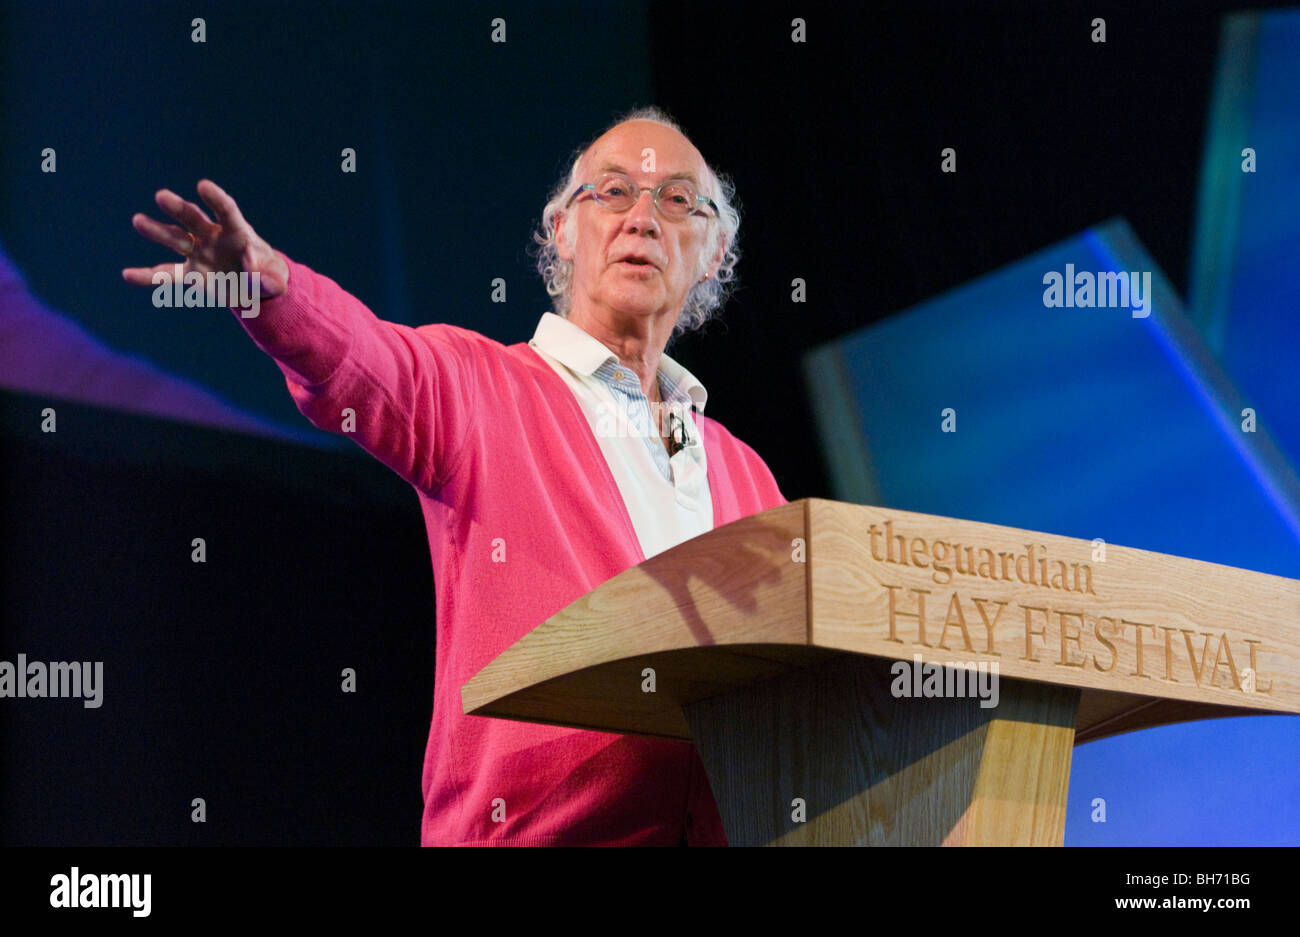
x,y
1245,294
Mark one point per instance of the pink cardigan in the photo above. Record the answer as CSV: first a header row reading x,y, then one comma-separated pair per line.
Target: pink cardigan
x,y
502,459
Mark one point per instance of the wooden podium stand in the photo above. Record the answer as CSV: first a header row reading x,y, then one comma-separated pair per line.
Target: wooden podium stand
x,y
861,675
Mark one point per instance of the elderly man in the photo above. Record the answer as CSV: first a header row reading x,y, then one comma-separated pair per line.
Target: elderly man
x,y
531,496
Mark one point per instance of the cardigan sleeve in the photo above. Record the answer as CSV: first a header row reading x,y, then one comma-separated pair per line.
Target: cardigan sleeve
x,y
404,395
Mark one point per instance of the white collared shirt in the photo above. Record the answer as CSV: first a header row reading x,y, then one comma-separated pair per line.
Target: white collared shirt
x,y
667,498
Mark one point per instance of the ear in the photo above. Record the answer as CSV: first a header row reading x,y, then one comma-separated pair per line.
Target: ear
x,y
715,262
561,245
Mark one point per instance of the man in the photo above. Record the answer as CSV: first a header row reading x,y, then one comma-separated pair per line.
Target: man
x,y
530,500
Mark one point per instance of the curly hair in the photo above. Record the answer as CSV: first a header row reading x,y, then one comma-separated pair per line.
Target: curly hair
x,y
705,298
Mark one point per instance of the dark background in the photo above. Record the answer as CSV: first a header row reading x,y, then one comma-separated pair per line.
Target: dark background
x,y
222,679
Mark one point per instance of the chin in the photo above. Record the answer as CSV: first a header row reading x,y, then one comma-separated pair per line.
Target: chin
x,y
637,304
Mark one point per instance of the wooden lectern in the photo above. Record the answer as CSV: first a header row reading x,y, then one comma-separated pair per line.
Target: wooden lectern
x,y
860,675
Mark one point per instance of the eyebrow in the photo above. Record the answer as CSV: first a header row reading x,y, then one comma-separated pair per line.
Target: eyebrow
x,y
688,176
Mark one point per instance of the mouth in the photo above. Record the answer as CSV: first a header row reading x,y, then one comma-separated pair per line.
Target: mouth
x,y
636,263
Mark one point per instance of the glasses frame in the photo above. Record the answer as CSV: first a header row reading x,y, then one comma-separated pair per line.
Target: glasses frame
x,y
654,196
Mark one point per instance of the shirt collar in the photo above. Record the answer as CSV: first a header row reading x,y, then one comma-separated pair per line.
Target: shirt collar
x,y
583,353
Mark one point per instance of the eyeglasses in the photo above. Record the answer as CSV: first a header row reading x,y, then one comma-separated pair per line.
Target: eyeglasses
x,y
675,198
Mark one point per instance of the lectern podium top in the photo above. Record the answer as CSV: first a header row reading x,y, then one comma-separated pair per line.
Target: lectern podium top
x,y
1147,638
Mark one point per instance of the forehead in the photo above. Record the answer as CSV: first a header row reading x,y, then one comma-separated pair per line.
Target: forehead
x,y
625,147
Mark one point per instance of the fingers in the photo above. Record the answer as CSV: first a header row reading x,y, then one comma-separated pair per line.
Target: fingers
x,y
143,276
221,244
191,217
222,205
168,235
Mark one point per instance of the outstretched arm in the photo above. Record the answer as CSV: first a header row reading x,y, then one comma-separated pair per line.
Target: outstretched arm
x,y
400,393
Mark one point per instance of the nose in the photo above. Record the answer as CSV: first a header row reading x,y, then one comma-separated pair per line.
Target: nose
x,y
640,218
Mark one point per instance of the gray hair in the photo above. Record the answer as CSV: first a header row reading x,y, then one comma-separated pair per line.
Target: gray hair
x,y
704,299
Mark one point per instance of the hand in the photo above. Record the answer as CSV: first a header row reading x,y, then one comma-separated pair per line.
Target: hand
x,y
229,245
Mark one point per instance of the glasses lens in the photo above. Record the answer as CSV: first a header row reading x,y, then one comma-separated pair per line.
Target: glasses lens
x,y
677,197
616,192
